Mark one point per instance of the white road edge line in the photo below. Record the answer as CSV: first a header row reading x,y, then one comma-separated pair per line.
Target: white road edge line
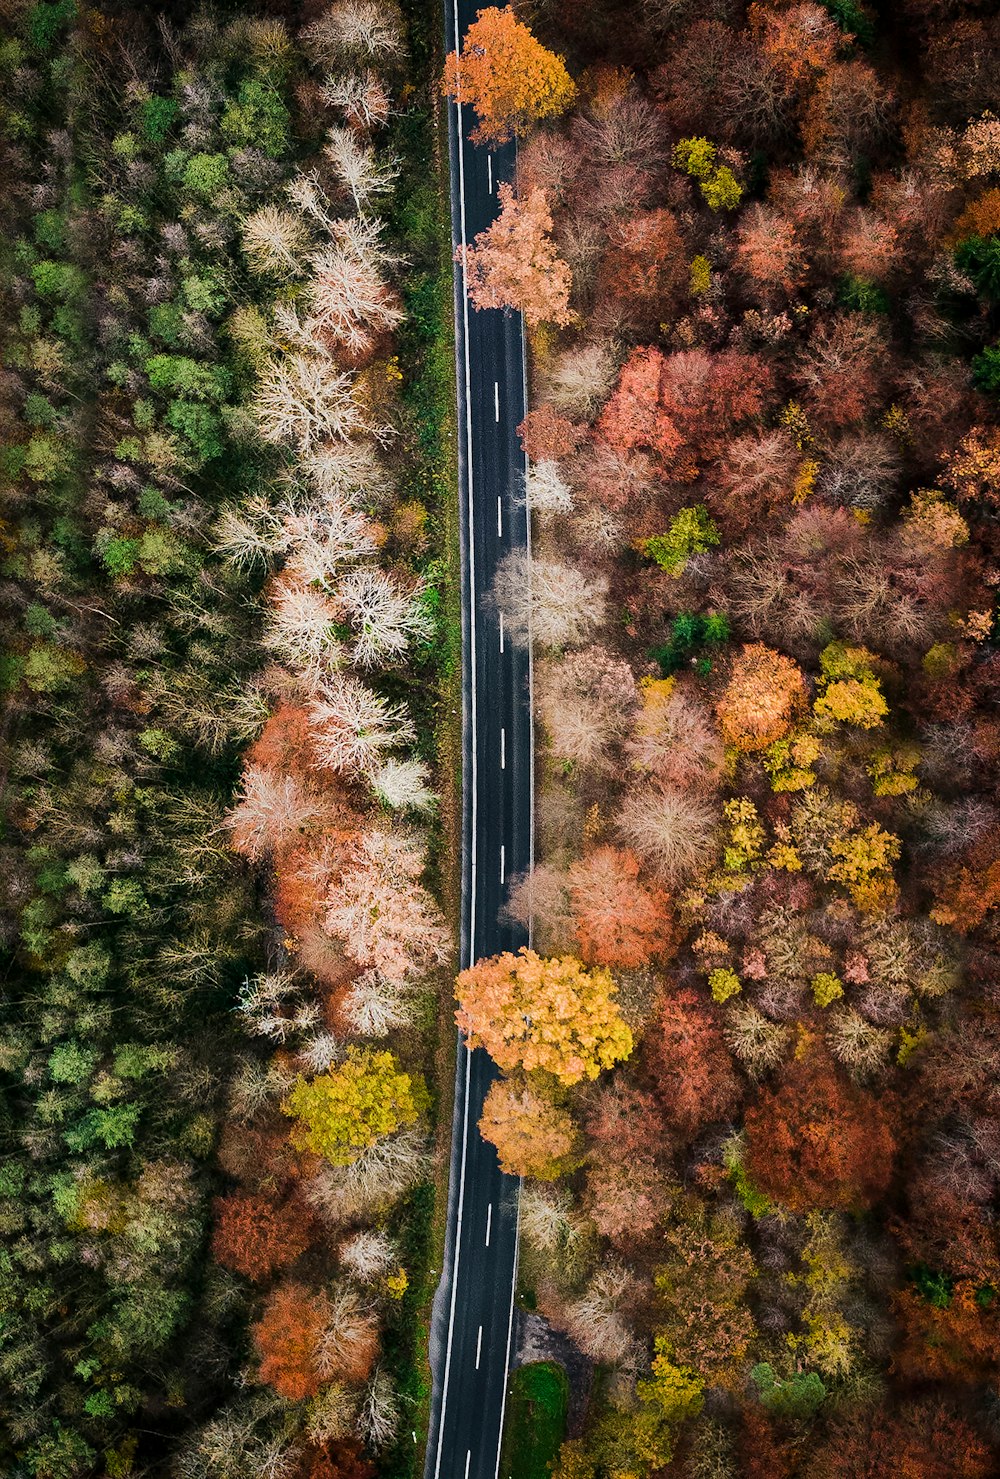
x,y
479,1346
499,518
503,749
489,1222
473,818
496,400
468,1461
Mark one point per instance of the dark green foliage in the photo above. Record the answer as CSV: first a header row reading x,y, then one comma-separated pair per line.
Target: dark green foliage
x,y
257,118
689,633
979,258
863,296
157,117
986,370
851,18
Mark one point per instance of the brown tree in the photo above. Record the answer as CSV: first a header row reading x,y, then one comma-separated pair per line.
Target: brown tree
x,y
255,1235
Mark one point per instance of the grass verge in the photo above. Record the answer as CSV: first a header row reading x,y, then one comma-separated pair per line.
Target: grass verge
x,y
536,1420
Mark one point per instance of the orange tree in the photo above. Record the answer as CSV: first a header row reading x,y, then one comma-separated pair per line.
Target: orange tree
x,y
507,75
764,694
533,1136
533,1012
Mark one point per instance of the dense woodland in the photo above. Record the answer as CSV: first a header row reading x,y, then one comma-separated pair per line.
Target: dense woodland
x,y
751,1065
227,666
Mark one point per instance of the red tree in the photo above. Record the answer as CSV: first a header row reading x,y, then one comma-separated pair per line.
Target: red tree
x,y
922,1440
255,1235
819,1140
547,436
690,1065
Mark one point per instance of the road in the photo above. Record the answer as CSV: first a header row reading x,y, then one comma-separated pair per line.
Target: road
x,y
474,1306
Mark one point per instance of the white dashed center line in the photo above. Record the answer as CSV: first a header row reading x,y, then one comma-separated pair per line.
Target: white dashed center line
x,y
479,1346
496,400
503,749
489,1222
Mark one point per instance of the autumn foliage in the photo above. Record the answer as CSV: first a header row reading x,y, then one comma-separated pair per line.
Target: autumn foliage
x,y
255,1235
764,694
513,263
508,76
287,1338
819,1141
531,1013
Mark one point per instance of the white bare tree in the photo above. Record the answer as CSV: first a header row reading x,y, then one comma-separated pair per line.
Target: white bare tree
x,y
548,1221
546,491
303,400
322,540
364,173
299,628
351,1331
375,1006
354,727
344,470
384,617
356,29
382,912
402,785
371,1184
547,601
319,1053
579,381
369,1255
275,241
347,300
270,810
360,96
249,535
378,1417
672,830
595,1321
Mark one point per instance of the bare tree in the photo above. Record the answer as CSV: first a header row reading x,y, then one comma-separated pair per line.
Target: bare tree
x,y
364,173
333,1414
303,400
674,831
299,627
595,1321
375,1006
758,1043
372,1183
360,96
580,379
402,785
355,29
354,727
347,300
382,912
271,811
861,1047
546,491
379,1416
547,601
275,241
369,1255
586,700
384,617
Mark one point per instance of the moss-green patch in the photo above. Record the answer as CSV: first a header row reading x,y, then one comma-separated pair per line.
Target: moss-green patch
x,y
536,1420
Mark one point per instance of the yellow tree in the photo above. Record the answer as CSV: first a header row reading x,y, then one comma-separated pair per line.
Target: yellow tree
x,y
513,263
533,1136
343,1112
507,75
533,1012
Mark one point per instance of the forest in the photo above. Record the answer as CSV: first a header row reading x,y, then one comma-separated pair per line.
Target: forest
x,y
227,744
750,1064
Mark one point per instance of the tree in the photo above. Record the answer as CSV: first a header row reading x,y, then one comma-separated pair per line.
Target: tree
x,y
619,922
924,1439
255,1235
385,916
586,700
345,1111
343,1459
767,249
674,832
287,1337
533,1135
529,1012
764,696
547,602
508,76
513,263
818,1141
687,1058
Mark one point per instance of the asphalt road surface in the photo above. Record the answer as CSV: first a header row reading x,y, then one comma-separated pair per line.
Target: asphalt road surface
x,y
473,1309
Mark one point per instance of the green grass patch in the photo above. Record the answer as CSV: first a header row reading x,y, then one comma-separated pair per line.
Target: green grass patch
x,y
536,1420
